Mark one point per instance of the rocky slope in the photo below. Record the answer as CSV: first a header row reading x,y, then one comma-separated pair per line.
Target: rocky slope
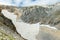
x,y
7,30
49,15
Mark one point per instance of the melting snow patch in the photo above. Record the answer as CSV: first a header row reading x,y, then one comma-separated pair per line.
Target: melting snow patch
x,y
27,31
49,26
9,15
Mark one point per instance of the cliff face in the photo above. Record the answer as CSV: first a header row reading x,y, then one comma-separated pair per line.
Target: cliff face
x,y
34,14
45,15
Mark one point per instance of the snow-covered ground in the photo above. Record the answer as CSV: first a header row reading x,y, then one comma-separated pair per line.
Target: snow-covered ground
x,y
28,2
28,31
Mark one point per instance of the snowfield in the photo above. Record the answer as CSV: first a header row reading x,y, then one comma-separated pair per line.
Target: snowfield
x,y
27,31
